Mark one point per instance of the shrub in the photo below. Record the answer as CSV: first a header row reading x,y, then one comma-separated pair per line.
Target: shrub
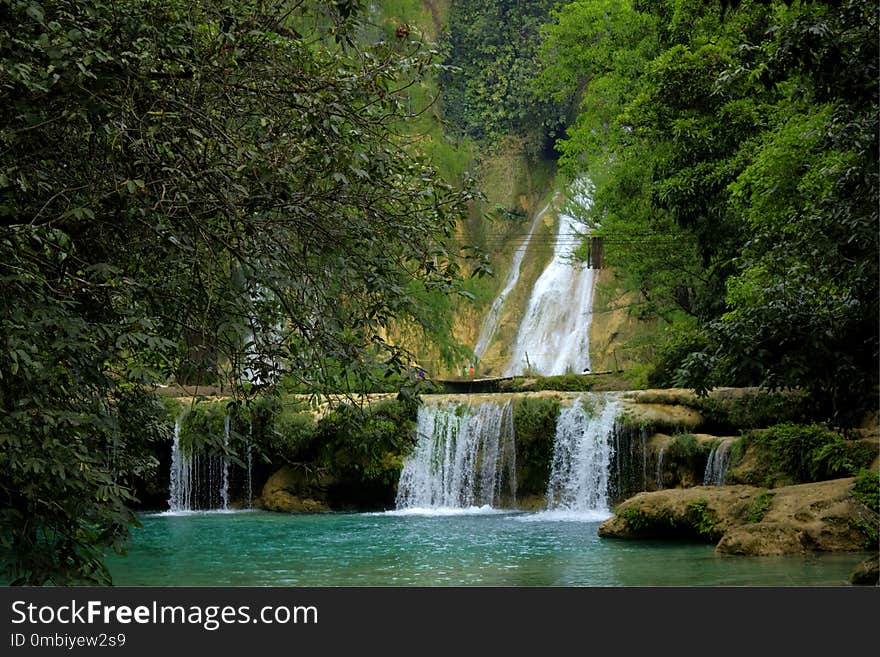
x,y
867,489
759,507
292,438
365,444
703,518
634,518
793,453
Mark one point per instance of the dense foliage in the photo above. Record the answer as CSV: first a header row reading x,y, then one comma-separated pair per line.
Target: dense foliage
x,y
792,454
733,150
209,190
492,47
356,445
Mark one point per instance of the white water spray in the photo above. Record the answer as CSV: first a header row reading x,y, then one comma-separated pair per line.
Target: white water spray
x,y
250,464
659,473
582,453
198,481
716,466
493,317
224,490
465,457
554,336
180,490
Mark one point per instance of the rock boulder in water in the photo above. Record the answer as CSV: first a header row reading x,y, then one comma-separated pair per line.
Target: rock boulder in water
x,y
867,573
822,516
294,491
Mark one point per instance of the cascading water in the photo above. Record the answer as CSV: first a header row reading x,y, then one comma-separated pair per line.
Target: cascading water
x,y
198,481
554,336
180,490
224,491
716,466
582,454
659,473
464,457
250,465
629,469
493,317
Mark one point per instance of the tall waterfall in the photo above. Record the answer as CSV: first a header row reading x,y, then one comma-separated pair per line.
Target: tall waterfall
x,y
198,481
554,336
583,450
716,466
464,457
493,317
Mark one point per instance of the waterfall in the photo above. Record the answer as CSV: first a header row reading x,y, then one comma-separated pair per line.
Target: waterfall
x,y
493,318
250,464
198,481
180,490
224,490
464,457
582,455
716,466
554,336
659,474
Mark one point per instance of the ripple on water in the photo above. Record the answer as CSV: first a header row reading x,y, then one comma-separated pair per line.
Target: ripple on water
x,y
564,515
489,547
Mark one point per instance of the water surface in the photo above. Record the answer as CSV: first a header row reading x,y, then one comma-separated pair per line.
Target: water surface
x,y
480,547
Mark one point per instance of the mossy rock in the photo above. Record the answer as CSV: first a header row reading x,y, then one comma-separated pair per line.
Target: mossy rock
x,y
821,516
867,573
660,416
292,490
787,454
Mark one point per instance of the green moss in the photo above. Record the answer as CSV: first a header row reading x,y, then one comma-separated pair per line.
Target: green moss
x,y
703,519
867,489
684,447
534,420
686,454
635,519
792,453
202,428
759,507
748,409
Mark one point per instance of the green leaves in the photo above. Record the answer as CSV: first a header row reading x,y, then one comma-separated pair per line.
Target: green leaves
x,y
491,52
194,191
726,134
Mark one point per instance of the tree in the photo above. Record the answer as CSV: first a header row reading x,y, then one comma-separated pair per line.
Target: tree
x,y
733,148
487,90
219,180
803,305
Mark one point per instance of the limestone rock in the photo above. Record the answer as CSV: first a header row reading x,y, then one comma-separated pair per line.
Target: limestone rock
x,y
532,503
292,490
673,417
867,573
820,516
701,513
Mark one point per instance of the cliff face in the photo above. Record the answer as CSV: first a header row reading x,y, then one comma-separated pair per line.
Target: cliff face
x,y
617,337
